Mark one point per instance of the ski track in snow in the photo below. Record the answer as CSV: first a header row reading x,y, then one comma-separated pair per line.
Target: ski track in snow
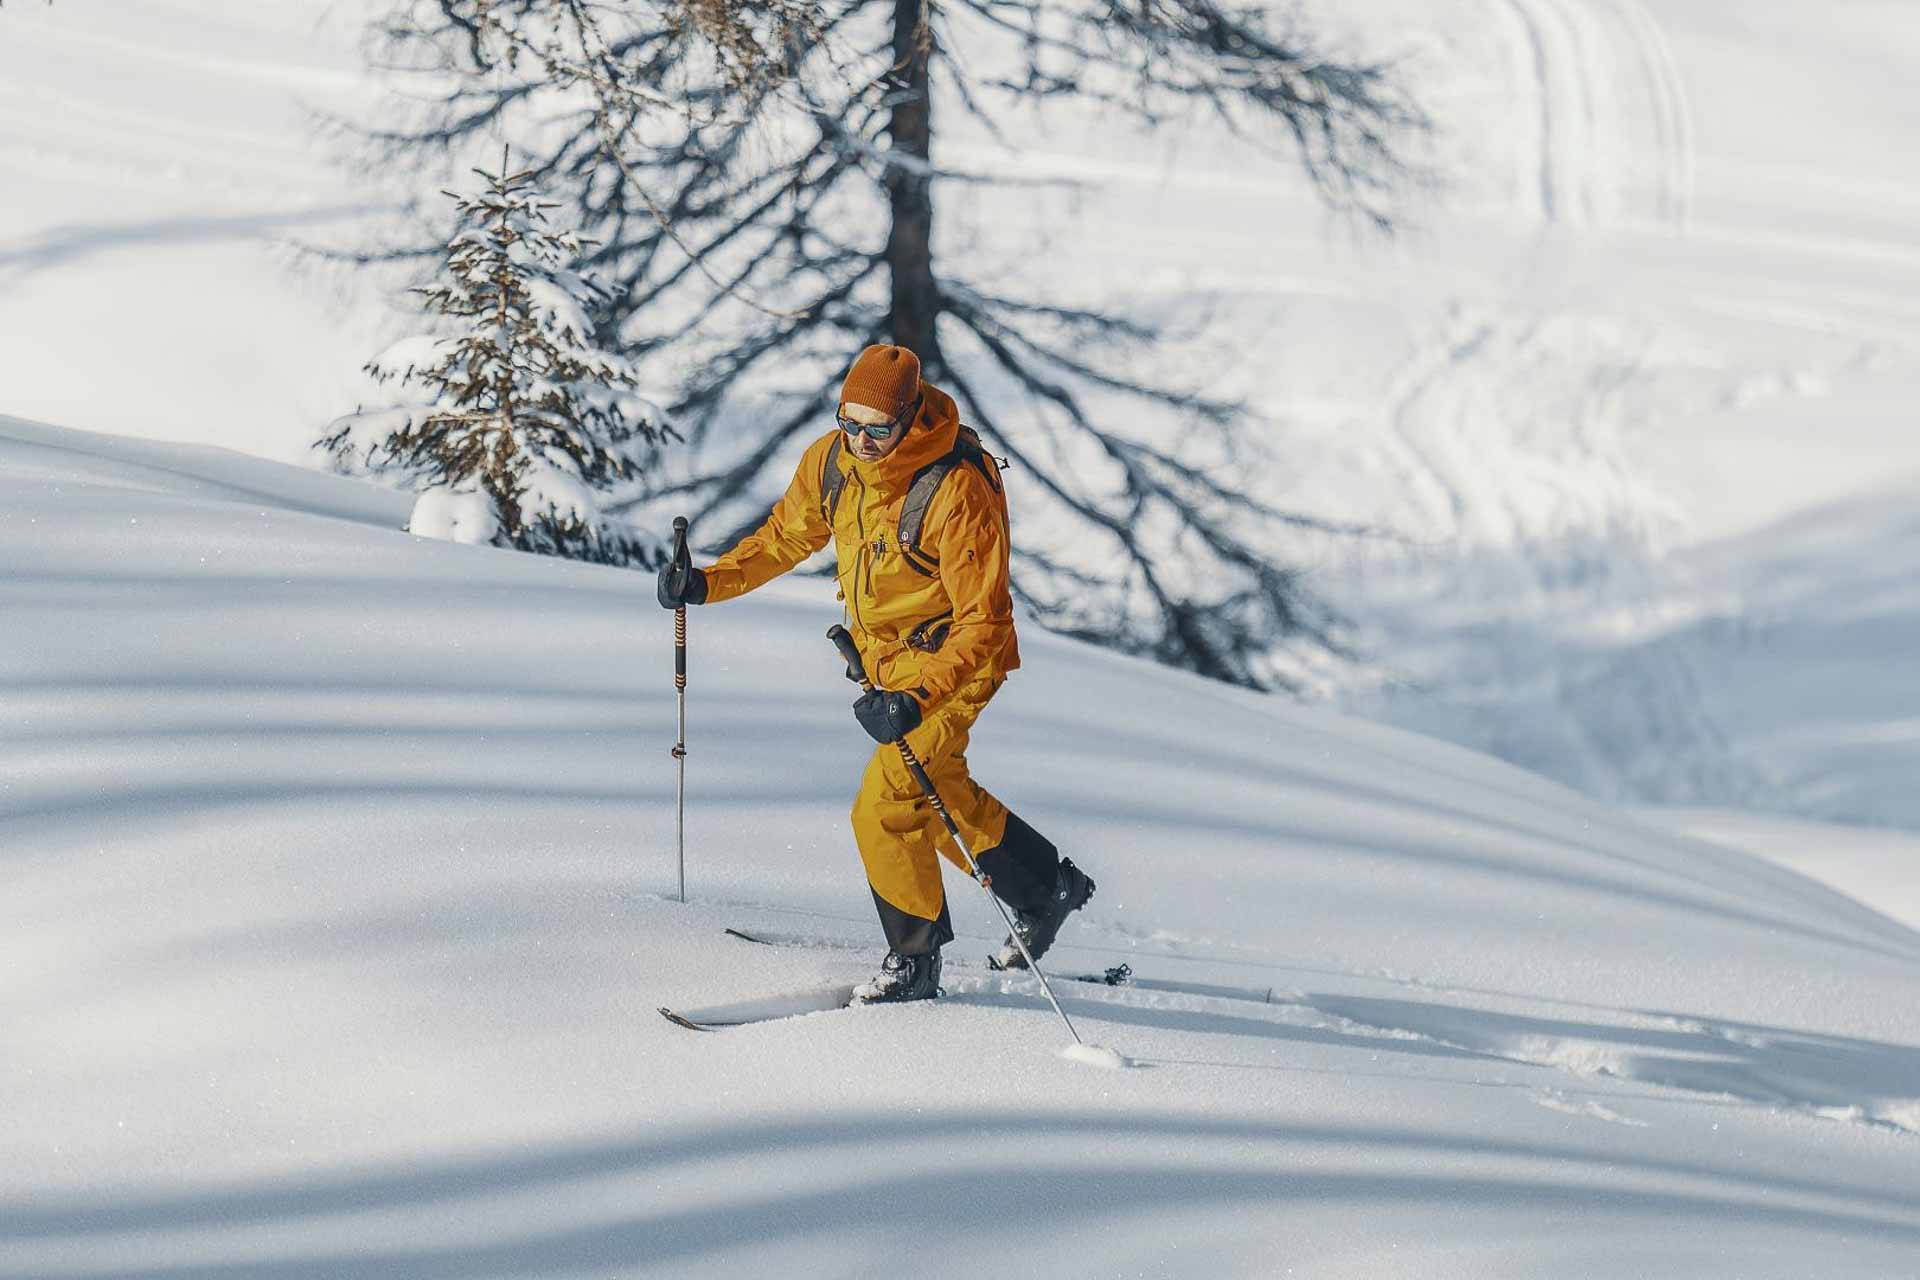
x,y
1824,1076
1830,1077
1674,111
1531,616
1592,154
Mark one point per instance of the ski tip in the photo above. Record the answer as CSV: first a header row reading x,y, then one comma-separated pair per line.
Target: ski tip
x,y
680,1021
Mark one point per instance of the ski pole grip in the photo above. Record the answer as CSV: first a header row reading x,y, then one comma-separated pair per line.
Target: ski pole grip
x,y
843,641
681,560
680,555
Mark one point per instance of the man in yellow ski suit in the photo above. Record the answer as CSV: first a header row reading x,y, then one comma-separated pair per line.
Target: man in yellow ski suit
x,y
923,570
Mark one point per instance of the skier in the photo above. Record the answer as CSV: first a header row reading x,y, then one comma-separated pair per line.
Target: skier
x,y
918,518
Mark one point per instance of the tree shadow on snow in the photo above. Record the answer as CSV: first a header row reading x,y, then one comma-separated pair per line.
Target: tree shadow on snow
x,y
1045,1183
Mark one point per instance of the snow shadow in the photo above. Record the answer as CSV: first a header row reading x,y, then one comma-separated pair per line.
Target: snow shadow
x,y
1894,941
1846,1078
1070,1171
1118,1011
69,243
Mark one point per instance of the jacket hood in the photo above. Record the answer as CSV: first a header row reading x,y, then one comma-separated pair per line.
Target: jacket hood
x,y
932,436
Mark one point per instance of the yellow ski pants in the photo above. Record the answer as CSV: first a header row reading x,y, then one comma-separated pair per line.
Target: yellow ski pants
x,y
902,839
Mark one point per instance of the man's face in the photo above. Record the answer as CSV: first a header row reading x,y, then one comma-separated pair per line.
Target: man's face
x,y
864,446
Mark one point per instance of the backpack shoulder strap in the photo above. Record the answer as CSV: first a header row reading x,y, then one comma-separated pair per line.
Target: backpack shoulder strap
x,y
926,483
974,452
833,479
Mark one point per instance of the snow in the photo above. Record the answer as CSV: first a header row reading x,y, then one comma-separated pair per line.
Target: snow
x,y
420,351
334,916
1095,1055
1877,865
156,158
336,863
1666,305
454,516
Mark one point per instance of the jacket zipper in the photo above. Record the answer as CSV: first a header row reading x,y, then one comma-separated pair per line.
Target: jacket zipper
x,y
859,561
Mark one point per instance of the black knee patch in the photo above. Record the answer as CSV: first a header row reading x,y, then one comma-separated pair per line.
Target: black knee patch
x,y
913,935
1023,866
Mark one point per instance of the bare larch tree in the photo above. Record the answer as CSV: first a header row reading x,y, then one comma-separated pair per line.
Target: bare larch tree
x,y
764,183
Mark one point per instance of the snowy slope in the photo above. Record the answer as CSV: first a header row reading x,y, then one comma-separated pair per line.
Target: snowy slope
x,y
333,916
1871,864
156,156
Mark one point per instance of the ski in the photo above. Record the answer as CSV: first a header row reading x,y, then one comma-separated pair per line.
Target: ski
x,y
828,998
1112,975
1119,975
811,942
766,1009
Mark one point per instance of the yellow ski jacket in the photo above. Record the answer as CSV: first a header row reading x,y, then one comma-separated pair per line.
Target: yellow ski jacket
x,y
927,620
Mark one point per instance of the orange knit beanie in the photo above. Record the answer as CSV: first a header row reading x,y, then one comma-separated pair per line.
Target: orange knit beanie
x,y
884,378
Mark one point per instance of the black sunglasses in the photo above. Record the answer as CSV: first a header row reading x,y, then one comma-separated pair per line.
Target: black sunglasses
x,y
883,430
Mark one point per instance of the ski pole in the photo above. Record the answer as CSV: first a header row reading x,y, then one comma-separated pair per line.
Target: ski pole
x,y
857,672
680,557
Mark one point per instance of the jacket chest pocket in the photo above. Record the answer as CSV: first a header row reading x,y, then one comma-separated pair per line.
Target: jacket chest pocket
x,y
897,586
895,575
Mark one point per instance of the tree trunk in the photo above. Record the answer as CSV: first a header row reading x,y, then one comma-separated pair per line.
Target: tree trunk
x,y
916,297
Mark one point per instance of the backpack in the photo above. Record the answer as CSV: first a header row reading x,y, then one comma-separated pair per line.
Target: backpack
x,y
966,449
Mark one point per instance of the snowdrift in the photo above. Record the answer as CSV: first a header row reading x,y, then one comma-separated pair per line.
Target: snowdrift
x,y
334,868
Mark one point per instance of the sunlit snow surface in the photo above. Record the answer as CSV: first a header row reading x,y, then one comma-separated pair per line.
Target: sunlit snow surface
x,y
335,868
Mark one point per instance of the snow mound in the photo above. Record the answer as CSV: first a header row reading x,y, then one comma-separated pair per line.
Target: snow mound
x,y
454,516
1095,1055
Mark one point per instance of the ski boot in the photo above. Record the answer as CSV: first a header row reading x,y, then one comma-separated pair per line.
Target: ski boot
x,y
1039,926
901,978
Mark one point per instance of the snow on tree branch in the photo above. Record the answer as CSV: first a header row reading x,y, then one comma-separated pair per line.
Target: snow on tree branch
x,y
521,404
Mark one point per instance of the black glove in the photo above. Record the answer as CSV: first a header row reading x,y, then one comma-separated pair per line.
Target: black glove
x,y
888,714
681,583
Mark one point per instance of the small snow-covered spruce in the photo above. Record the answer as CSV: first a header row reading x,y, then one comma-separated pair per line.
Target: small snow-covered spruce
x,y
526,418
